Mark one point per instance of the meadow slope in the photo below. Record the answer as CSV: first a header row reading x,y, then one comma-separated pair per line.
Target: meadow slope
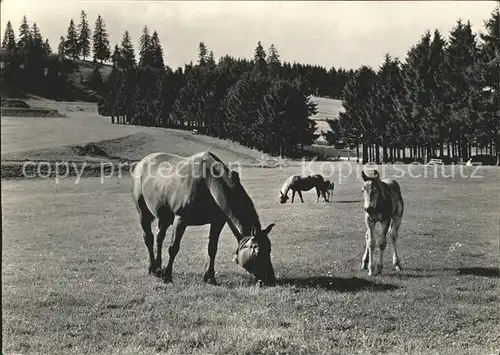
x,y
74,271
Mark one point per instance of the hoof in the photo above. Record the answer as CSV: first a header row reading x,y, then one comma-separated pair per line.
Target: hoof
x,y
167,280
211,281
364,265
397,267
158,272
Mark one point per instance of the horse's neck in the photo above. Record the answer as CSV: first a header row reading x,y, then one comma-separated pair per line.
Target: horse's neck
x,y
236,206
241,226
384,198
286,186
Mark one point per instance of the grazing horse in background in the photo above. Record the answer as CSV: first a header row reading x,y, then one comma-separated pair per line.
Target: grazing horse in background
x,y
299,183
329,186
383,203
195,191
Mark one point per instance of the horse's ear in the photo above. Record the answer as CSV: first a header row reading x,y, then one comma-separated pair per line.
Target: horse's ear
x,y
253,232
281,193
363,176
268,228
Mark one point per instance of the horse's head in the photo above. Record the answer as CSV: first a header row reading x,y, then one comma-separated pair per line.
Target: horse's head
x,y
283,197
371,191
254,255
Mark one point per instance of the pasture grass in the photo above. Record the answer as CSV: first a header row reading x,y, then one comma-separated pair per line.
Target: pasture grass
x,y
74,271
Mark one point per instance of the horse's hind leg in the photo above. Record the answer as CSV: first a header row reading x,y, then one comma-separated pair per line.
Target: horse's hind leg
x,y
213,241
396,223
178,230
146,220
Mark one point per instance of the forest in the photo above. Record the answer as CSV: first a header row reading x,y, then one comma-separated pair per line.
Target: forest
x,y
441,100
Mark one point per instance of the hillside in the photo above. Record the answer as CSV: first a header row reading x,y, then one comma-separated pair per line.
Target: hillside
x,y
328,109
83,135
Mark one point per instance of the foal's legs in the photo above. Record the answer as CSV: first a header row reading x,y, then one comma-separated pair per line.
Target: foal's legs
x,y
178,230
382,244
396,223
213,241
367,261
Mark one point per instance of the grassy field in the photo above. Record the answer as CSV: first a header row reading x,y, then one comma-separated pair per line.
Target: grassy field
x,y
74,271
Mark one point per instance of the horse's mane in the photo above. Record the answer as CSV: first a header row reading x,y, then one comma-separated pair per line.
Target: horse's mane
x,y
231,197
287,184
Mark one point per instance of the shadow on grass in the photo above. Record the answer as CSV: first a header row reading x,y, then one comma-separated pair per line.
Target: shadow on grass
x,y
349,201
339,284
426,273
480,271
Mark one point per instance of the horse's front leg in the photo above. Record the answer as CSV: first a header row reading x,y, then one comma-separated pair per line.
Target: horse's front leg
x,y
160,237
293,195
370,246
213,241
317,195
300,195
178,230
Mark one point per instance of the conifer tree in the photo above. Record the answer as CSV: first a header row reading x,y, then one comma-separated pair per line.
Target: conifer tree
x,y
273,60
145,48
47,47
156,52
462,55
9,38
260,56
71,44
84,36
202,54
61,51
211,60
489,120
100,41
127,51
24,41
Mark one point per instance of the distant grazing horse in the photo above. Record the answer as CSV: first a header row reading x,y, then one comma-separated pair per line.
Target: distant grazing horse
x,y
298,183
329,186
383,203
193,191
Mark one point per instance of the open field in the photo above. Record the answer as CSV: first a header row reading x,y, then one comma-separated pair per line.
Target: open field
x,y
74,270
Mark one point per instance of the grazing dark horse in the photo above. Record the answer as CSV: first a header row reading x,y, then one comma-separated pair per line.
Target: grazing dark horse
x,y
194,191
383,203
299,183
329,186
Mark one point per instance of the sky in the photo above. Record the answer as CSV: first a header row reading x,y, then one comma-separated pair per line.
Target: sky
x,y
344,34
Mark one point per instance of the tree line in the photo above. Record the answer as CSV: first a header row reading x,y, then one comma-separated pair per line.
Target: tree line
x,y
444,97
